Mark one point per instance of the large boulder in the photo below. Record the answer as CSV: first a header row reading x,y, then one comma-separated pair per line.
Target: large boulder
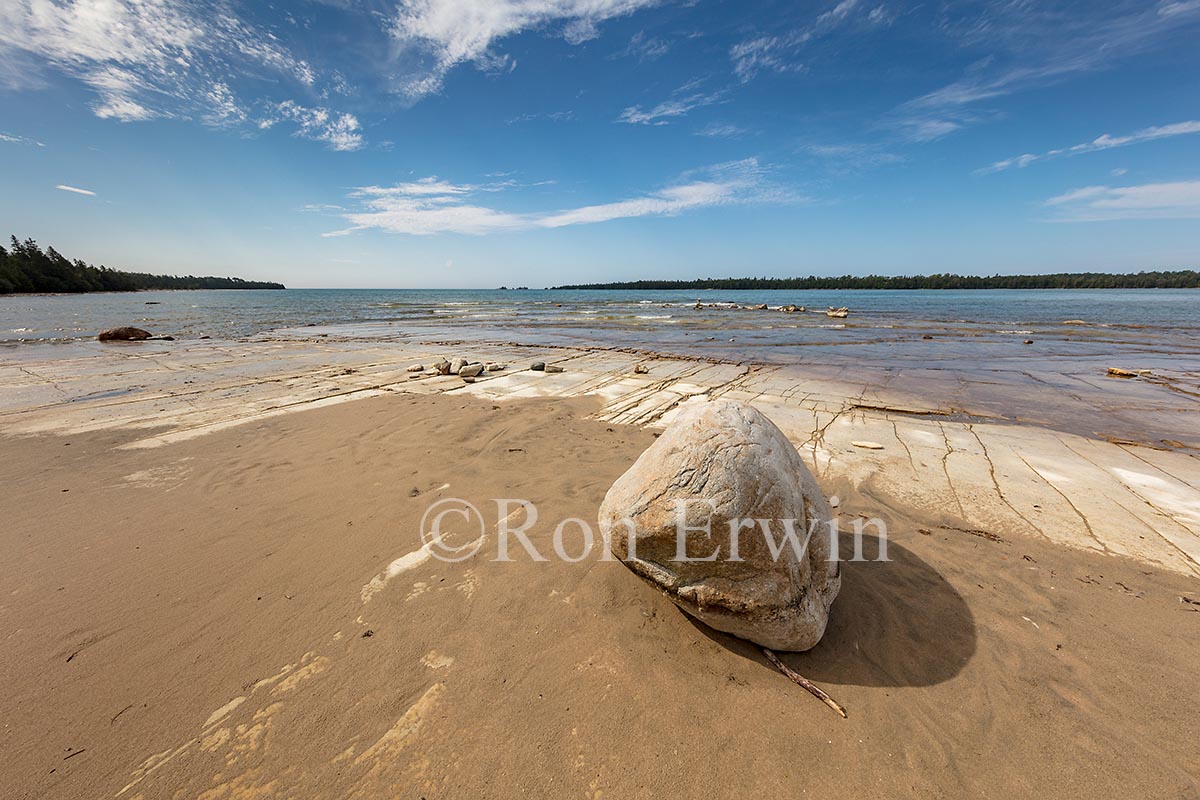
x,y
125,334
728,462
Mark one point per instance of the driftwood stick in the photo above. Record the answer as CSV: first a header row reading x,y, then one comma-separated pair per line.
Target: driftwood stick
x,y
800,680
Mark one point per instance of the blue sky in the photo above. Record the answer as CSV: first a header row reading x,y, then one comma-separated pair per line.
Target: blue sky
x,y
447,143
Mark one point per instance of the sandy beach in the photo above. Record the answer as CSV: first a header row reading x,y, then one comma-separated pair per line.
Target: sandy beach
x,y
214,588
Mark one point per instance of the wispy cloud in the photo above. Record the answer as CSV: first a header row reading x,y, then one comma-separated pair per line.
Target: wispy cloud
x,y
1176,200
438,35
780,52
14,139
432,206
644,48
1030,47
851,157
669,109
723,130
1102,142
549,116
339,131
75,190
159,58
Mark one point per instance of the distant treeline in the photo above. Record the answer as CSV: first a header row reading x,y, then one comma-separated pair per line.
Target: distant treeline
x,y
25,267
1179,279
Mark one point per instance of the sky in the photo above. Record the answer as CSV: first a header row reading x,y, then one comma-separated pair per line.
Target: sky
x,y
474,143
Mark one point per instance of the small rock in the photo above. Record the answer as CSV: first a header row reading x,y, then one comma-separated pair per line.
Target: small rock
x,y
927,336
470,370
124,334
553,368
641,369
415,368
1029,341
1117,372
206,336
492,366
467,378
538,366
443,367
868,445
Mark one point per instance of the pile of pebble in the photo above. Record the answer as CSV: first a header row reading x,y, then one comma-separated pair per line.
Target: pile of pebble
x,y
470,370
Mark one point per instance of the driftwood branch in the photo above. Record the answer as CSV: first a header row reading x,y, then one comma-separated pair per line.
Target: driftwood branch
x,y
800,680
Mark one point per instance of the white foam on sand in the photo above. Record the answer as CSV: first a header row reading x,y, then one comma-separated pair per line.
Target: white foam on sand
x,y
401,564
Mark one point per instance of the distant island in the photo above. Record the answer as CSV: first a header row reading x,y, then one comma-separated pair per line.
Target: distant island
x,y
1179,279
26,268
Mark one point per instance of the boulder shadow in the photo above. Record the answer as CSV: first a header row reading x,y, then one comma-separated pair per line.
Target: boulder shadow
x,y
894,623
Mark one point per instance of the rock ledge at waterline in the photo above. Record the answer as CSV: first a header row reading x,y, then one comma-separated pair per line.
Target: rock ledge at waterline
x,y
733,455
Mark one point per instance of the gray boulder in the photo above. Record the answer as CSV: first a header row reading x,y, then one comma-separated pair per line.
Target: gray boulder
x,y
731,455
125,334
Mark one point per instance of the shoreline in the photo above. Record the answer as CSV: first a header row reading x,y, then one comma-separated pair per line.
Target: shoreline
x,y
964,466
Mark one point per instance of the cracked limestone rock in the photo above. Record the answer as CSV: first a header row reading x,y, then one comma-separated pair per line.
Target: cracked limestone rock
x,y
729,463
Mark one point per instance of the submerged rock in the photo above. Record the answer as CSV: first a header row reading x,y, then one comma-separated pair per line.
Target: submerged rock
x,y
728,462
124,334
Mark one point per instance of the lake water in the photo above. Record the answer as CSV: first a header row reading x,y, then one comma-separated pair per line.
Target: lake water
x,y
625,317
1037,356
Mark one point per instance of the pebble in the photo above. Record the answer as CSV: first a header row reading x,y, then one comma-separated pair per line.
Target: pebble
x,y
868,445
538,366
416,368
553,368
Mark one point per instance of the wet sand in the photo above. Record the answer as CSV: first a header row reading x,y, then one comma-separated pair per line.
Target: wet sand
x,y
190,621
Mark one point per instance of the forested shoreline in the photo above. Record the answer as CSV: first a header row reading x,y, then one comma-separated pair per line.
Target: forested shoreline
x,y
1179,279
26,268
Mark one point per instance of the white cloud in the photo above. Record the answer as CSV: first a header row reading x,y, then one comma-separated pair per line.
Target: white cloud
x,y
676,106
442,34
432,206
1175,200
1031,46
339,131
75,190
13,139
1102,142
765,53
160,58
644,48
779,53
722,130
851,157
